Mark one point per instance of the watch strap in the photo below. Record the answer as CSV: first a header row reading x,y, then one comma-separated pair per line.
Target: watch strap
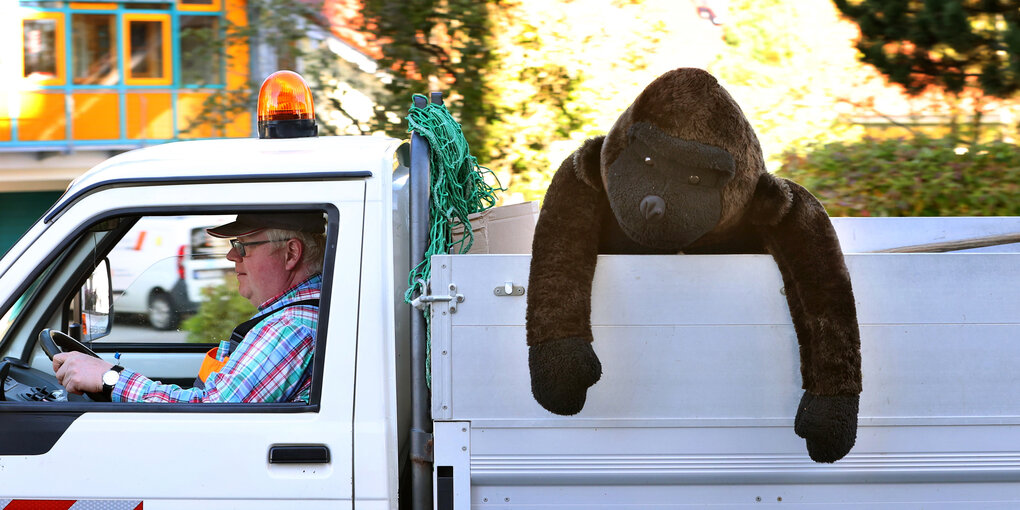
x,y
108,388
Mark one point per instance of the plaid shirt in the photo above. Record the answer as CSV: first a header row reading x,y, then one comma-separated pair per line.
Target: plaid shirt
x,y
266,367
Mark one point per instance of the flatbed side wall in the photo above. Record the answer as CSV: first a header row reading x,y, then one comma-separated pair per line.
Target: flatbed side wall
x,y
701,381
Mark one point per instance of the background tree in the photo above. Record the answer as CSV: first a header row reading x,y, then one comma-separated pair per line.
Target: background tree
x,y
442,45
291,32
787,64
529,80
959,46
566,70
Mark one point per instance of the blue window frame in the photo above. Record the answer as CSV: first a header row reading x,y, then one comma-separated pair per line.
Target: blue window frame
x,y
138,48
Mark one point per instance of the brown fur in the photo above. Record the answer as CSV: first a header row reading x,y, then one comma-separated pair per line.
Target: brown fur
x,y
759,213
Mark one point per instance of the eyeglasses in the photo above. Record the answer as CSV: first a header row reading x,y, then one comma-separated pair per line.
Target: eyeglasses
x,y
240,246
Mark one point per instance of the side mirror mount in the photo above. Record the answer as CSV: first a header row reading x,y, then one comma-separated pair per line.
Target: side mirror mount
x,y
96,298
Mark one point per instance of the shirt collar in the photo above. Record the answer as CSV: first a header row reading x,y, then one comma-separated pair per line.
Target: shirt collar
x,y
314,281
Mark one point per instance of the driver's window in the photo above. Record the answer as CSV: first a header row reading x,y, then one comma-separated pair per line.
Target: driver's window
x,y
167,305
172,283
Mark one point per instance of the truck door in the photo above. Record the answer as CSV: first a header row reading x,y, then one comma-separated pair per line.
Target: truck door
x,y
173,455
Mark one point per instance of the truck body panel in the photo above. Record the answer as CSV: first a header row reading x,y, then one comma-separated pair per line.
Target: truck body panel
x,y
701,381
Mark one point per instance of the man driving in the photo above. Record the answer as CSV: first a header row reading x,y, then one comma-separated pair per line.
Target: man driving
x,y
278,260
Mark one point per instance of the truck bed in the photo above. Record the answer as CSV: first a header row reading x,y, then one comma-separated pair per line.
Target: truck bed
x,y
701,381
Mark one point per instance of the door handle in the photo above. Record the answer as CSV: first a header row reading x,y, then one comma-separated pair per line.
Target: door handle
x,y
299,454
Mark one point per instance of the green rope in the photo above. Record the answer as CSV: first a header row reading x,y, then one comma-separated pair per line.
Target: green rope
x,y
457,189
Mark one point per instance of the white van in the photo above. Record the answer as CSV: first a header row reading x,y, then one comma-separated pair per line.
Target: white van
x,y
161,266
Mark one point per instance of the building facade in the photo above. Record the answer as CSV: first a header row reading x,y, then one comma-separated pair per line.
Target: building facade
x,y
82,81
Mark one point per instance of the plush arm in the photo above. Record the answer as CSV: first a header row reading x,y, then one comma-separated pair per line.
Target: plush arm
x,y
564,251
797,232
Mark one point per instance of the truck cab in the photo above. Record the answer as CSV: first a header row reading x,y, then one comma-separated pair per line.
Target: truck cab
x,y
283,452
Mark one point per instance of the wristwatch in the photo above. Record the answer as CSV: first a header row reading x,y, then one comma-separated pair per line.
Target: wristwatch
x,y
110,379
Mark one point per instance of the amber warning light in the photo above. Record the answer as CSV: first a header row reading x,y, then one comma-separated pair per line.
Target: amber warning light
x,y
285,107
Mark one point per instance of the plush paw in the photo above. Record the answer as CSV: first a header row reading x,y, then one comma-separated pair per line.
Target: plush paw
x,y
561,373
829,424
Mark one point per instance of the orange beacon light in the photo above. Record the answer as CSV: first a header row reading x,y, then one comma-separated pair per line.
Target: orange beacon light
x,y
285,107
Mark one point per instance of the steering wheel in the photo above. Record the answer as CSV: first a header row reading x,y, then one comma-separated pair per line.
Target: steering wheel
x,y
55,342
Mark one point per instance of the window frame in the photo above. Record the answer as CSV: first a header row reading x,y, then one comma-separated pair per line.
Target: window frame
x,y
60,76
59,263
93,6
78,87
214,5
219,22
166,50
129,128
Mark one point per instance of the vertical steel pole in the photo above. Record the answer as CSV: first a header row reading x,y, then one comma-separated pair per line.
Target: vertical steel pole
x,y
421,420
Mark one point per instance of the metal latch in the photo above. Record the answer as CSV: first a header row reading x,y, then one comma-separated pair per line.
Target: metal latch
x,y
420,301
509,289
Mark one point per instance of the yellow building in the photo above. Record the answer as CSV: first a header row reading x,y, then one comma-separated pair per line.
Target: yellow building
x,y
82,81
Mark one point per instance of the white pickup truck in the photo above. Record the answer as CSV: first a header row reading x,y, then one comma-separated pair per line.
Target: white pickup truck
x,y
665,427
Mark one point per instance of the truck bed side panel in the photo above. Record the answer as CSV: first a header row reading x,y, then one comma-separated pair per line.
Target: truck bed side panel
x,y
701,381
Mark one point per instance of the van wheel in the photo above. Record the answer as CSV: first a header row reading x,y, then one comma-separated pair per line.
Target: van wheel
x,y
162,314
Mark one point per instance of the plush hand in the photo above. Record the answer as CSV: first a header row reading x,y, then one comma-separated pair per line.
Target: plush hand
x,y
561,373
829,424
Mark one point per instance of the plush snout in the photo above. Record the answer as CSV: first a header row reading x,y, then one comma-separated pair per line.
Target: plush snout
x,y
653,208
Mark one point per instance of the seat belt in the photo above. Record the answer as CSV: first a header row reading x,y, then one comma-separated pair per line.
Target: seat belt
x,y
210,364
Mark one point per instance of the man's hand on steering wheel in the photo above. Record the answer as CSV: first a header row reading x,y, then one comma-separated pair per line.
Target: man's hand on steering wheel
x,y
80,373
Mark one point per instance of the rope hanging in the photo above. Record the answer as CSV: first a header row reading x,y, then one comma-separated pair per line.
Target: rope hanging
x,y
457,189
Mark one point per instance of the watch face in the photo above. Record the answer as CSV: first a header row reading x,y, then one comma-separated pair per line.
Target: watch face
x,y
111,377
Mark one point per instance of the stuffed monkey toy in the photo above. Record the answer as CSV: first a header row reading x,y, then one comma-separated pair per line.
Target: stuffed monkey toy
x,y
682,170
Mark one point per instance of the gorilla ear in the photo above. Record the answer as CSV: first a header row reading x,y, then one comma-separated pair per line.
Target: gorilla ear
x,y
588,162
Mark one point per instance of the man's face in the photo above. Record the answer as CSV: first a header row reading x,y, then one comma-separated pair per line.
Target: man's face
x,y
260,273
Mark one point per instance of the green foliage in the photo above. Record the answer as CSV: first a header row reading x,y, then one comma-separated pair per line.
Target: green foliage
x,y
787,77
434,45
282,25
566,70
528,80
949,44
909,177
222,309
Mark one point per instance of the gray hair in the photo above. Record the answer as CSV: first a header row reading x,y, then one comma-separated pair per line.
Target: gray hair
x,y
314,246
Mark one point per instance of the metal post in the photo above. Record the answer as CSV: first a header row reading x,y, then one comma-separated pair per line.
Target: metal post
x,y
421,420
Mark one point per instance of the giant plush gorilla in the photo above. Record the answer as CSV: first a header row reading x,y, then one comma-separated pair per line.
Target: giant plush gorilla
x,y
682,170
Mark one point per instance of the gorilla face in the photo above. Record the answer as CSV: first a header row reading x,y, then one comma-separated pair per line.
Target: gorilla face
x,y
666,192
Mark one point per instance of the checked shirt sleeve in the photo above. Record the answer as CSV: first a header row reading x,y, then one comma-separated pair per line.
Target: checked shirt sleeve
x,y
266,367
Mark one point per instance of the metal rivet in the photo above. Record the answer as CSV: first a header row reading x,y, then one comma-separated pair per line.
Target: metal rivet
x,y
648,161
444,353
507,500
694,179
782,290
758,499
463,448
485,500
463,429
444,408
